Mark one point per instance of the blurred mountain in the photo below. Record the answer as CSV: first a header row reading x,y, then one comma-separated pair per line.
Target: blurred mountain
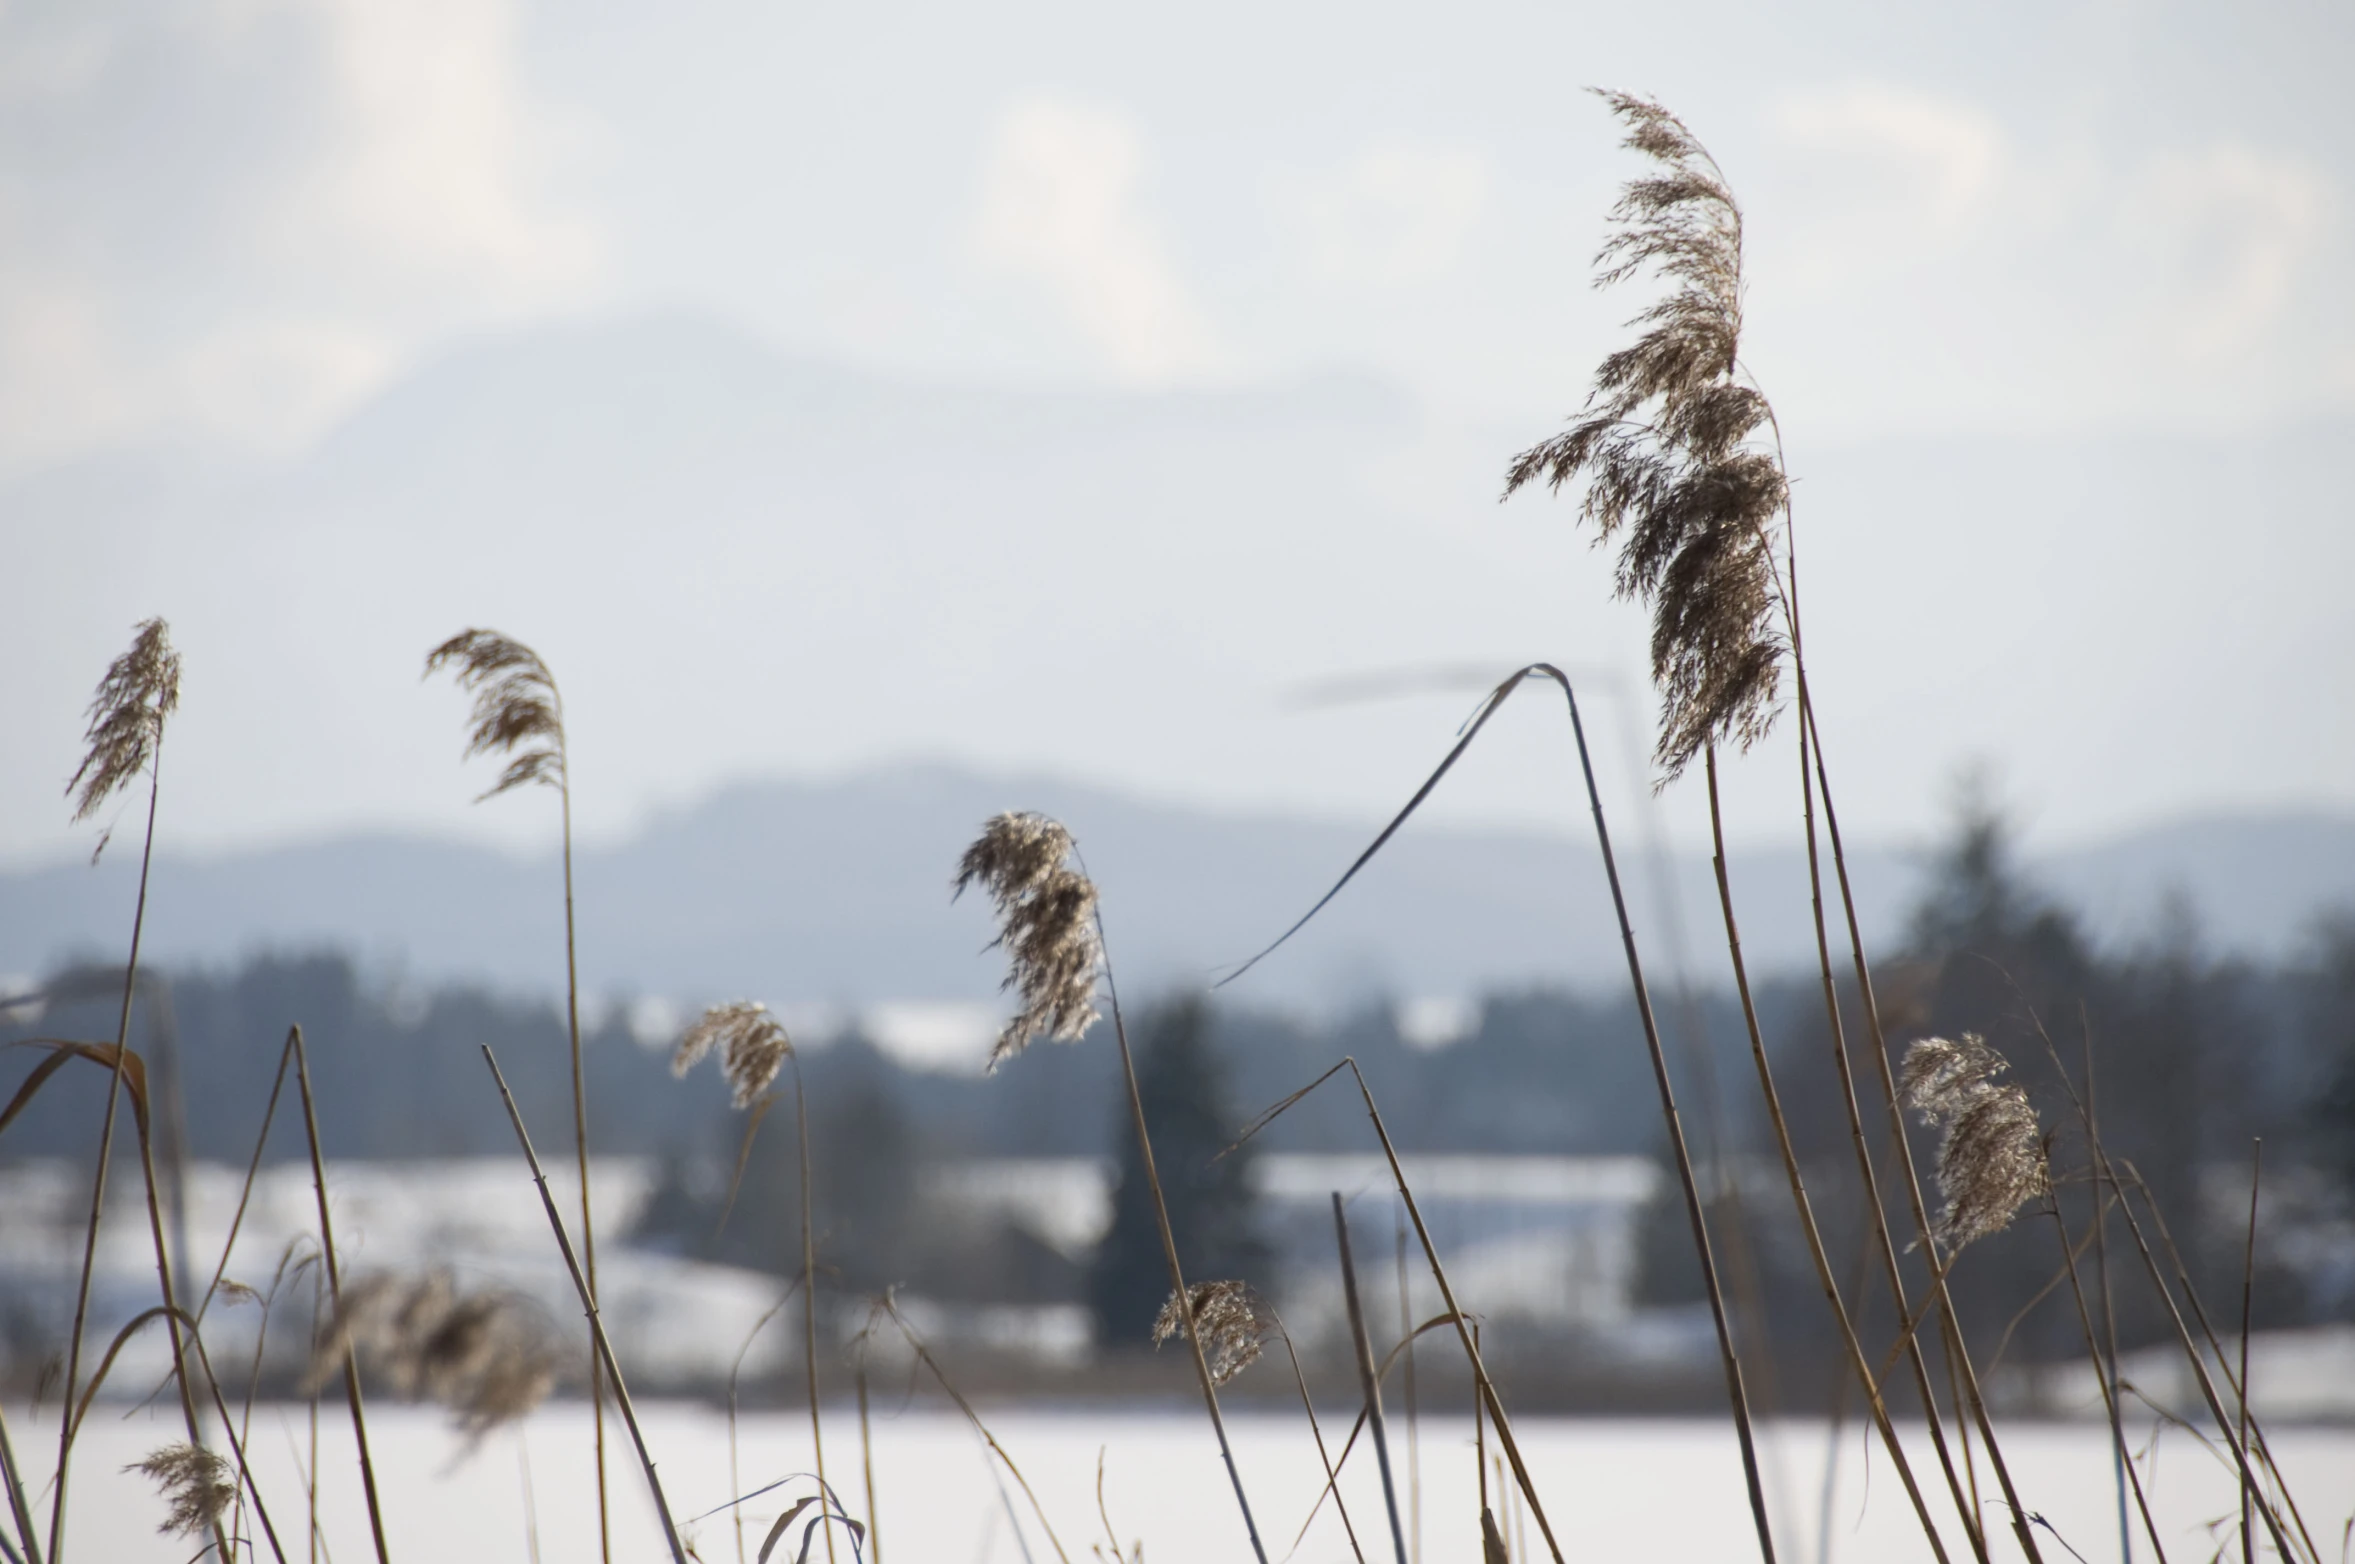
x,y
837,891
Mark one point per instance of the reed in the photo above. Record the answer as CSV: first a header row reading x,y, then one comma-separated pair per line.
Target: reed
x,y
580,1282
519,713
1052,930
124,741
1736,1394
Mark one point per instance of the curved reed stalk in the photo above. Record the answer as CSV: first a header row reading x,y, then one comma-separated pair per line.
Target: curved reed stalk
x,y
1736,1394
125,735
1053,931
519,713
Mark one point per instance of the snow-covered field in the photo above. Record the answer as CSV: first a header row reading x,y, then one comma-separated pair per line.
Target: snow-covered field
x,y
1613,1488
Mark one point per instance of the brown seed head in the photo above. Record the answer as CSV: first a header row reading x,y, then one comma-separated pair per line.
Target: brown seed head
x,y
1665,446
1046,914
1991,1156
487,1356
517,712
752,1046
1233,1321
141,688
198,1484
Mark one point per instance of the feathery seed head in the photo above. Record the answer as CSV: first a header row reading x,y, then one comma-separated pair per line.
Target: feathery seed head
x,y
1991,1154
1046,914
140,689
1664,446
488,1356
517,711
198,1483
1233,1321
752,1047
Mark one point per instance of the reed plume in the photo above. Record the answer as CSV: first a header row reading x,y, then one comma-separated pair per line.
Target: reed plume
x,y
1046,914
488,1356
140,689
197,1484
519,713
1667,447
751,1043
1991,1154
753,1047
1233,1321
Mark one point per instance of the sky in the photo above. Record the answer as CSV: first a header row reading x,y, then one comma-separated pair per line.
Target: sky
x,y
2080,237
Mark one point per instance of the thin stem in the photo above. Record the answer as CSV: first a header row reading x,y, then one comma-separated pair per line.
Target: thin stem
x,y
19,1510
2106,1357
1799,1197
580,1282
867,1463
1735,1393
981,1429
2093,1346
2248,1298
1369,1386
1811,738
1177,1278
580,1136
1875,1207
1414,1454
809,1291
122,1043
351,1366
1324,1457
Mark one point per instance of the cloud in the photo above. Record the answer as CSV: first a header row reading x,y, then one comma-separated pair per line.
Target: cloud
x,y
1901,157
1395,216
1059,205
2224,236
232,217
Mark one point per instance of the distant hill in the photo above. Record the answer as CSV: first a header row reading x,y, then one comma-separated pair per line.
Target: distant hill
x,y
837,892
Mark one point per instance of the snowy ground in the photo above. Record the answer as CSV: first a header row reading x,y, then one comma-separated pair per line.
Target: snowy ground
x,y
1613,1488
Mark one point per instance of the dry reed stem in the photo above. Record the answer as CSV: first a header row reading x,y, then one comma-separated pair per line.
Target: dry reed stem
x,y
1959,1358
2109,1394
1052,927
1369,1386
1805,1207
518,712
1332,1488
867,1458
2248,1299
580,1282
139,690
20,1511
334,1270
809,1291
1875,1207
890,1306
1406,1345
1736,1395
1455,1314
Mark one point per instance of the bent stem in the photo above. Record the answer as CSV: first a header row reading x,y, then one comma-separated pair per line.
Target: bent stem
x,y
1177,1277
2132,1473
1735,1393
621,1390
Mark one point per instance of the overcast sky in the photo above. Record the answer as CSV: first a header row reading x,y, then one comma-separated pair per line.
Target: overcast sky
x,y
226,225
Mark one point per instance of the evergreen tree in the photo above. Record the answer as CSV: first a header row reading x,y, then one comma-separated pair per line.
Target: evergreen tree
x,y
1182,1081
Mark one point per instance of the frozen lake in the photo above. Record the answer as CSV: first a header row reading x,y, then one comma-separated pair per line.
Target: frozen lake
x,y
1613,1488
